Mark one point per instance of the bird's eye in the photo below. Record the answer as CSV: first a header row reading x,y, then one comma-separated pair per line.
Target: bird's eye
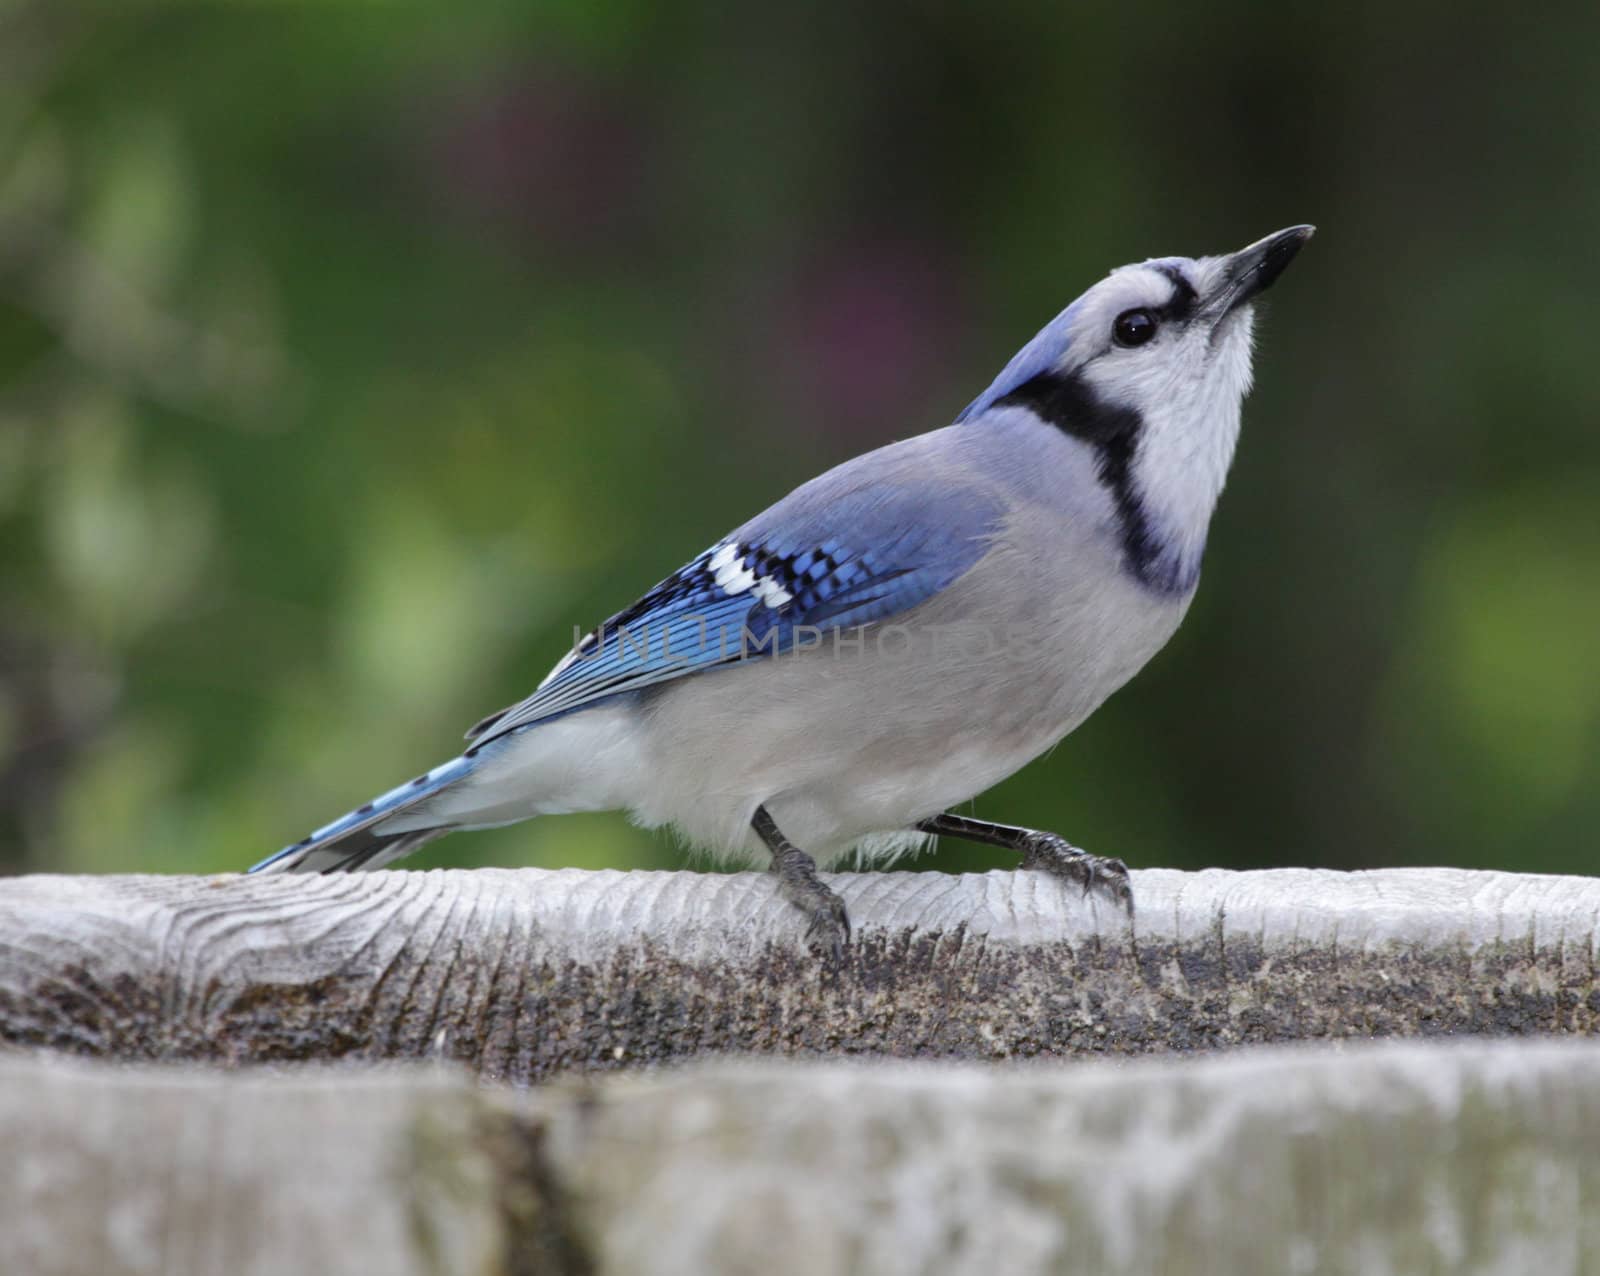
x,y
1133,327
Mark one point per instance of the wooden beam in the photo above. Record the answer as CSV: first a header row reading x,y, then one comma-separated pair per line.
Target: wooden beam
x,y
1387,1157
524,974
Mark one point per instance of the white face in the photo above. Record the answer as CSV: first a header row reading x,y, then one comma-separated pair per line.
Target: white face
x,y
1161,338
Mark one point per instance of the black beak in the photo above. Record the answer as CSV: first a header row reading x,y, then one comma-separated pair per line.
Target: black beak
x,y
1251,271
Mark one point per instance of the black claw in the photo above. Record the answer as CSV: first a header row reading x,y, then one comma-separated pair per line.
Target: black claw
x,y
1046,852
1051,854
829,931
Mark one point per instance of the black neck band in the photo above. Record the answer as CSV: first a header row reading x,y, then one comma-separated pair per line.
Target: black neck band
x,y
1066,402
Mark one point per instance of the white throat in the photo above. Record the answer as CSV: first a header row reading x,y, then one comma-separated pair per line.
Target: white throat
x,y
1190,408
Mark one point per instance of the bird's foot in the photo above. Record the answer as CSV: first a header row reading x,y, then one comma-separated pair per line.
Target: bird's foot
x,y
1051,853
829,928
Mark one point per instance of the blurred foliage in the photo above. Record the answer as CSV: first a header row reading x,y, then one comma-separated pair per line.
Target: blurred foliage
x,y
351,355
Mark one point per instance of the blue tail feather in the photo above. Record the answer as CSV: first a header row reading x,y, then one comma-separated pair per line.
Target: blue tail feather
x,y
356,840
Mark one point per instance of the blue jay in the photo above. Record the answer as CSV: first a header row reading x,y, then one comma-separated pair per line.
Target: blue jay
x,y
895,636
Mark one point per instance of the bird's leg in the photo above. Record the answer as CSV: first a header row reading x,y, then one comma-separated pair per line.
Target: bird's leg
x,y
1048,852
797,879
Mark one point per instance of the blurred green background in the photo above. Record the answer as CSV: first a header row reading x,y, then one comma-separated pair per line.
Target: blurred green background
x,y
350,355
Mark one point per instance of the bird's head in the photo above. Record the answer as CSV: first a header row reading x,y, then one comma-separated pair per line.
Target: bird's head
x,y
1150,367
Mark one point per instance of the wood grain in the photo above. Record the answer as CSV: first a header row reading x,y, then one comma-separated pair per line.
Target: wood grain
x,y
524,974
1344,1160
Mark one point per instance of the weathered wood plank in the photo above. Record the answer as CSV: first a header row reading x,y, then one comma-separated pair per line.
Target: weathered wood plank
x,y
1395,1158
1344,1160
113,1171
524,974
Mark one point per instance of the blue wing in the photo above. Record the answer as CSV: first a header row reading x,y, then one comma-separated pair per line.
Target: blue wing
x,y
841,551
